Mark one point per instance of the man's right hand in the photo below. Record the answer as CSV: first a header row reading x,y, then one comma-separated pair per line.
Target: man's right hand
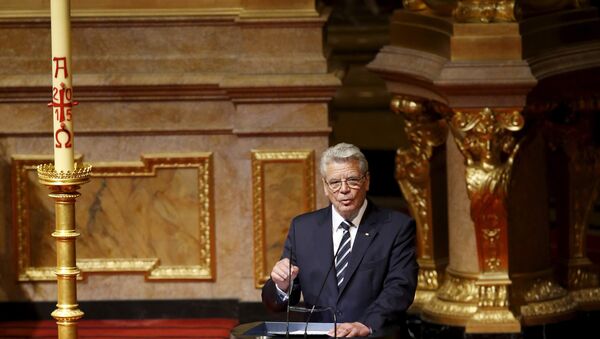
x,y
280,273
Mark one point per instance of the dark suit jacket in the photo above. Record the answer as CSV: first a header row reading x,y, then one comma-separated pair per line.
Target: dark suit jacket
x,y
382,274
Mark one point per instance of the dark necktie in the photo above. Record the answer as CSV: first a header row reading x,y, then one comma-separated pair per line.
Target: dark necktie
x,y
343,257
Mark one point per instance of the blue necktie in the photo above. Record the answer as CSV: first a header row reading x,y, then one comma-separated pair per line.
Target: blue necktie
x,y
343,257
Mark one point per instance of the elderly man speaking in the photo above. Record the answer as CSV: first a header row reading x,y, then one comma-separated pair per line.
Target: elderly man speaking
x,y
352,257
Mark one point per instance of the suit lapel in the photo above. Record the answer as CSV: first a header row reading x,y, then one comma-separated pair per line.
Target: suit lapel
x,y
364,237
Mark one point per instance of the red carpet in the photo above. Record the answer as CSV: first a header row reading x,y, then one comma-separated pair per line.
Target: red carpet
x,y
134,328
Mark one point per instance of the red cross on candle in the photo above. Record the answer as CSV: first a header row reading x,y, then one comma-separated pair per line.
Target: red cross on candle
x,y
63,94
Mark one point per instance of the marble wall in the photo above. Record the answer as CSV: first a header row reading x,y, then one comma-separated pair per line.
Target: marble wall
x,y
193,117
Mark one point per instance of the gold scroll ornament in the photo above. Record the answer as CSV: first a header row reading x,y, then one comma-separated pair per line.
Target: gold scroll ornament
x,y
425,130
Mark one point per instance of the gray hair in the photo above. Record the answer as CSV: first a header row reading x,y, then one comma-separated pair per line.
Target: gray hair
x,y
343,152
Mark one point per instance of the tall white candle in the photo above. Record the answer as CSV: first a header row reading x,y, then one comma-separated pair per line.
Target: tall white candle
x,y
62,90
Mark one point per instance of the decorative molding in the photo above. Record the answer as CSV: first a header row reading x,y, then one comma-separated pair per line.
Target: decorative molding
x,y
582,274
428,279
314,87
474,11
477,302
260,158
560,60
587,299
455,301
541,299
281,88
206,10
470,11
22,165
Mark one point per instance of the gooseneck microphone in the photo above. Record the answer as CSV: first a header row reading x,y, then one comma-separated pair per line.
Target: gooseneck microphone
x,y
319,295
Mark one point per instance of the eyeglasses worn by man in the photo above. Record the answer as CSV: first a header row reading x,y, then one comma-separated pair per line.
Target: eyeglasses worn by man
x,y
373,284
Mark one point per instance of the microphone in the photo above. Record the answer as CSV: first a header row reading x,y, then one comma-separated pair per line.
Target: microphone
x,y
319,295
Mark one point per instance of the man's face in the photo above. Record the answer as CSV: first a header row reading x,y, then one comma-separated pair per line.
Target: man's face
x,y
346,200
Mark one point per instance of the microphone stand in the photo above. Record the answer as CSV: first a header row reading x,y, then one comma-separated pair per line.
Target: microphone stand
x,y
312,309
334,325
287,320
289,296
321,290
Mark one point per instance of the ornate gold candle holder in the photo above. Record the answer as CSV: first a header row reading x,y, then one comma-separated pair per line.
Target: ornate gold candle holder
x,y
63,189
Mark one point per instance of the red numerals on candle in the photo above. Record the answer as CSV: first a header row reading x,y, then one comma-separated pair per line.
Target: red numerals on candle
x,y
61,103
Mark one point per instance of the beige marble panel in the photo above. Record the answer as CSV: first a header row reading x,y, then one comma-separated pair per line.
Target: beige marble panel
x,y
478,41
272,50
106,49
180,45
283,187
283,190
275,117
154,217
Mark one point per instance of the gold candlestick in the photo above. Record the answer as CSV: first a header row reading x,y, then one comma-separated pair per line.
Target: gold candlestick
x,y
63,187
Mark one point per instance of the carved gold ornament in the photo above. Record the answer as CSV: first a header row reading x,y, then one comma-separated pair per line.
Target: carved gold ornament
x,y
425,129
455,301
486,140
414,5
485,11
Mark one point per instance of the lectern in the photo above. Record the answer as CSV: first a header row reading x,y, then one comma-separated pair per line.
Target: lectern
x,y
279,328
264,329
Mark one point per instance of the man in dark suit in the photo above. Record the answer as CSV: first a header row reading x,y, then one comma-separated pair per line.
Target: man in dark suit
x,y
352,256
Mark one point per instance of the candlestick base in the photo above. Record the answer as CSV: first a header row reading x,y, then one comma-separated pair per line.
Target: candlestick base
x,y
48,175
63,187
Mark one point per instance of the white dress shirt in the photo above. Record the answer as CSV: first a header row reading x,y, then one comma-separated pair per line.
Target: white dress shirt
x,y
338,231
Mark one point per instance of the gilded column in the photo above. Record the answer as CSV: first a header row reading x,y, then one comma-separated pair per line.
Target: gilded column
x,y
536,297
424,190
485,138
576,166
